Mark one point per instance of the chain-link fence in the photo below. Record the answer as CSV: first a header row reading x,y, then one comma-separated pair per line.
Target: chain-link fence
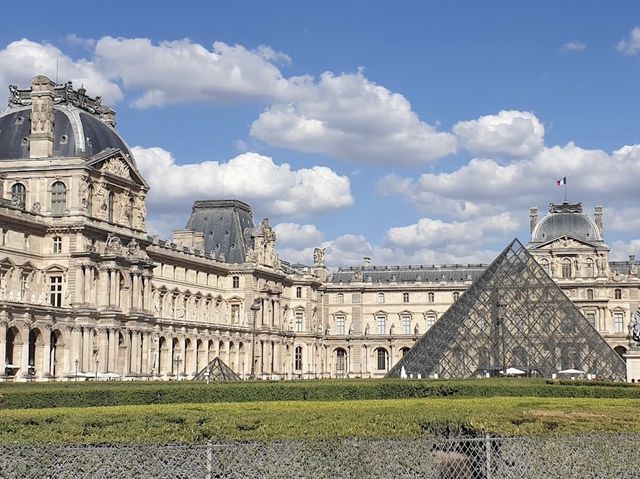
x,y
566,457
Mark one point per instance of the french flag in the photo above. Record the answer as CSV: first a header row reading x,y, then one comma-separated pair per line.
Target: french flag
x,y
562,182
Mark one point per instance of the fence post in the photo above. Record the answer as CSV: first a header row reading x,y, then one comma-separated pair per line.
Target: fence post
x,y
209,458
487,442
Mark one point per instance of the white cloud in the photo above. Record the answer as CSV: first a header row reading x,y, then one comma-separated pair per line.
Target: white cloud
x,y
297,235
22,60
485,186
571,47
621,250
272,189
347,116
181,71
631,45
626,220
509,133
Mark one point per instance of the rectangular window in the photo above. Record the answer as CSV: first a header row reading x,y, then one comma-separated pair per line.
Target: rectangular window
x,y
57,244
340,298
381,321
236,282
55,291
340,325
406,324
617,322
566,269
299,292
298,359
430,320
299,321
3,237
591,317
405,297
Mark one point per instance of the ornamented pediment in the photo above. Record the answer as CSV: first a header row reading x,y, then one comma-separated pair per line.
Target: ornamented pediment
x,y
565,243
116,166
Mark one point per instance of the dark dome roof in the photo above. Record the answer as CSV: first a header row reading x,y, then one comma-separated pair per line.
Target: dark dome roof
x,y
557,225
75,133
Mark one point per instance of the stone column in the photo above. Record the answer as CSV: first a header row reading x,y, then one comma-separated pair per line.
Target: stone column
x,y
135,297
80,279
113,289
113,348
44,370
103,350
75,350
24,352
86,350
135,352
3,345
103,294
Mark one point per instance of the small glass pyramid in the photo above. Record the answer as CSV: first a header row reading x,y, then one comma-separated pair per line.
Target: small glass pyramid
x,y
513,318
218,371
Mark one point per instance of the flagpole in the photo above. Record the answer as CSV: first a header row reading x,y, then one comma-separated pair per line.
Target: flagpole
x,y
565,190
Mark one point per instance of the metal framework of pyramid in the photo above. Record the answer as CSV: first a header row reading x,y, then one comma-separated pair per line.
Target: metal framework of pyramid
x,y
513,316
218,371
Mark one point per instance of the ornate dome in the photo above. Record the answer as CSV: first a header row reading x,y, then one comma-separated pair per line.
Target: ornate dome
x,y
566,219
82,126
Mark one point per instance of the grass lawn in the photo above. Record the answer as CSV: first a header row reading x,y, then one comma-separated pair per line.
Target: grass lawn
x,y
195,423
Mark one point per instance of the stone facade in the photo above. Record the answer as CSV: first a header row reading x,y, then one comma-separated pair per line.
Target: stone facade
x,y
85,292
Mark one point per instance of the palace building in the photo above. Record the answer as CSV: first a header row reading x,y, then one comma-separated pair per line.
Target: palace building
x,y
85,292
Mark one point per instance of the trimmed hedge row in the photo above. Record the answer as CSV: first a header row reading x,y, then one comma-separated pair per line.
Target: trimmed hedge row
x,y
30,396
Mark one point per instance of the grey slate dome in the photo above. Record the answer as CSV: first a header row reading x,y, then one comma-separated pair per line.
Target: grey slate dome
x,y
566,219
82,125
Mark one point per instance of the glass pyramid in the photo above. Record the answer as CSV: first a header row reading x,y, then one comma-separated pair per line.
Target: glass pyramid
x,y
218,371
513,316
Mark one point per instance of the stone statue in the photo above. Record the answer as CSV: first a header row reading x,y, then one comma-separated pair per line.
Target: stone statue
x,y
634,328
554,268
113,244
318,256
36,207
84,193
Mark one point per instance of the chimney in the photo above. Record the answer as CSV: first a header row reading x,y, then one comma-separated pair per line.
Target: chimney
x,y
533,219
633,269
598,218
41,138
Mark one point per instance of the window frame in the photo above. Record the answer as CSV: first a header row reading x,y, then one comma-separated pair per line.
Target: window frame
x,y
58,198
56,286
21,195
56,244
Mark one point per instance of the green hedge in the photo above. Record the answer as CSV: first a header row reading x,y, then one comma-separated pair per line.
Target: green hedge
x,y
29,396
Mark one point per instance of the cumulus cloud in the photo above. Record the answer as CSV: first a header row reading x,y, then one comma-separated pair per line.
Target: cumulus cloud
x,y
573,47
297,235
486,185
630,45
181,71
276,189
22,60
348,116
509,133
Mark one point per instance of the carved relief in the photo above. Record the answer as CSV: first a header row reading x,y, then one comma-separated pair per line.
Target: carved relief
x,y
116,166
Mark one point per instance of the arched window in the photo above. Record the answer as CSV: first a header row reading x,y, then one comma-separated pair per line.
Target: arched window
x,y
405,297
566,268
297,361
617,294
18,195
404,351
380,298
340,298
431,297
110,200
58,198
341,361
589,268
589,293
381,321
381,356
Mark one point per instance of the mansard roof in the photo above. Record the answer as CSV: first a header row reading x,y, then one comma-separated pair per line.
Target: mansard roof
x,y
408,273
227,226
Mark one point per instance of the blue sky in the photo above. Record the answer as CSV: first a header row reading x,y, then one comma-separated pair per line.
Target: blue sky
x,y
414,131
